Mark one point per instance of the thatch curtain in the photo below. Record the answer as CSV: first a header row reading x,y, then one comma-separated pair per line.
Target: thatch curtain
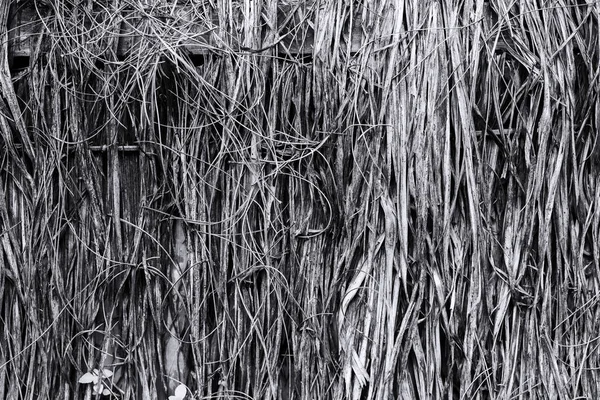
x,y
257,199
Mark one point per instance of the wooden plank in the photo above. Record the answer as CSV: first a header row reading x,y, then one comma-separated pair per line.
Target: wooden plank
x,y
22,25
181,28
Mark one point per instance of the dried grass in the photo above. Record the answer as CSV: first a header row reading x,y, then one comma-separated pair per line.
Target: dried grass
x,y
369,199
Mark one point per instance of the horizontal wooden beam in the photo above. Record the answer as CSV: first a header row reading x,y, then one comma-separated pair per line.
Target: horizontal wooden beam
x,y
182,27
495,134
123,148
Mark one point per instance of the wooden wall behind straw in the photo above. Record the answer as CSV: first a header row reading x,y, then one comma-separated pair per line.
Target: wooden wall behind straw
x,y
368,199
